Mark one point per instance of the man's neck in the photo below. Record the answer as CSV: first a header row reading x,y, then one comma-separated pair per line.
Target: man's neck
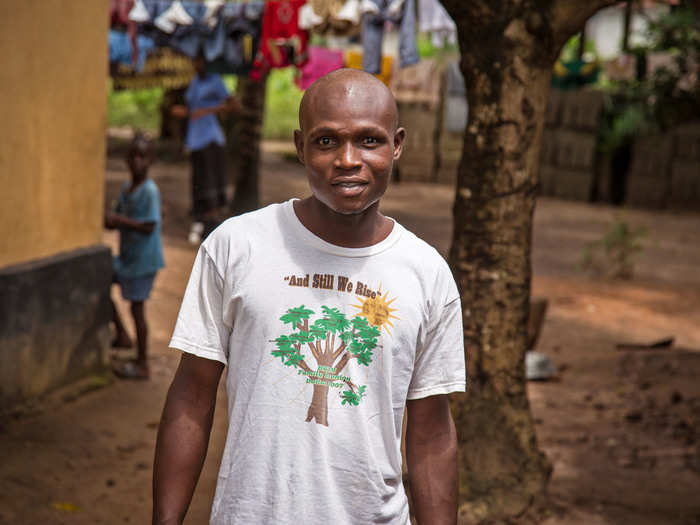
x,y
348,230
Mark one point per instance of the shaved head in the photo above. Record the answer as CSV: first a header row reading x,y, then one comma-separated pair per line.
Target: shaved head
x,y
347,86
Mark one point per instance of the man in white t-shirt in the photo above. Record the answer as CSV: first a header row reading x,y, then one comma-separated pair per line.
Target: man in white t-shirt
x,y
330,319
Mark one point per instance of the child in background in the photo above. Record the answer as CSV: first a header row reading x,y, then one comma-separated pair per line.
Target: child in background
x,y
137,217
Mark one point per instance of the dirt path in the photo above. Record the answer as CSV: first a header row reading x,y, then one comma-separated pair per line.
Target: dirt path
x,y
620,427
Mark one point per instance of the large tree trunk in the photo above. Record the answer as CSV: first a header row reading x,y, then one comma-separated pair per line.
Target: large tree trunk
x,y
508,49
244,145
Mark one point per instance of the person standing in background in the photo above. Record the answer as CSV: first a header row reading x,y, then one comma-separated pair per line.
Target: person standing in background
x,y
206,97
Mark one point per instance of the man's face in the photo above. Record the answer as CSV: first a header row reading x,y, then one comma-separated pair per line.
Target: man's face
x,y
348,145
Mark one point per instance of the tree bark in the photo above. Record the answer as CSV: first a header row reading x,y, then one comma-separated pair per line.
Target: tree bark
x,y
244,136
508,49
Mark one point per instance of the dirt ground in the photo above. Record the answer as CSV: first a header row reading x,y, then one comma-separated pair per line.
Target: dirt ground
x,y
621,428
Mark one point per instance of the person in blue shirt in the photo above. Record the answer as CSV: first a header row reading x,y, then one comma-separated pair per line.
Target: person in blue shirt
x,y
138,219
206,97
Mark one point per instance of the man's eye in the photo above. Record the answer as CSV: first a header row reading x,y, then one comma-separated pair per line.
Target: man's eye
x,y
370,140
325,141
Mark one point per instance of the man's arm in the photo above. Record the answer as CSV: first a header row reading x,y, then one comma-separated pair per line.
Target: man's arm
x,y
183,437
431,455
116,221
230,105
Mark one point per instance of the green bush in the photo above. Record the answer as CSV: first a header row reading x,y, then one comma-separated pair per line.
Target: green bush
x,y
282,100
139,108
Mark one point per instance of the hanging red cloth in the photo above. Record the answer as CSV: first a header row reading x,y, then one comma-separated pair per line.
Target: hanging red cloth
x,y
282,42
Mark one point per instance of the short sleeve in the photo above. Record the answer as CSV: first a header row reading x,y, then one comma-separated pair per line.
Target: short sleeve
x,y
439,363
200,328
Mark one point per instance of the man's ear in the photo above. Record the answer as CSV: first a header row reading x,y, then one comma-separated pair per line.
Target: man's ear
x,y
399,137
299,143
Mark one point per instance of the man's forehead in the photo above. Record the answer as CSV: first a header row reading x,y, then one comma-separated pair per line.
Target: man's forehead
x,y
348,97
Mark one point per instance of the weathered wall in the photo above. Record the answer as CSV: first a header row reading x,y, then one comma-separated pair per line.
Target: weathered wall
x,y
52,123
568,153
54,273
54,316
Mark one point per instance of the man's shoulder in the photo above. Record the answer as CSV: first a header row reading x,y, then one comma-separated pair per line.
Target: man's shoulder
x,y
422,251
248,226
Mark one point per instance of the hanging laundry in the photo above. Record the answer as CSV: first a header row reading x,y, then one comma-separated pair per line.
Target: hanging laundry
x,y
187,39
121,49
375,15
212,10
233,45
456,105
354,59
119,12
148,28
321,62
339,17
139,14
119,18
283,43
173,16
433,18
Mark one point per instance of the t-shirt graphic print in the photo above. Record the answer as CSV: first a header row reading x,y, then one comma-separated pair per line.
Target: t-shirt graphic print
x,y
332,339
323,346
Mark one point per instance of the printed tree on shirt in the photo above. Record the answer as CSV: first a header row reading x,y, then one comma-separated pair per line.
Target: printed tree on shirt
x,y
333,340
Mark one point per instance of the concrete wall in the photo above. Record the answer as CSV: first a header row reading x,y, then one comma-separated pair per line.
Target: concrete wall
x,y
52,126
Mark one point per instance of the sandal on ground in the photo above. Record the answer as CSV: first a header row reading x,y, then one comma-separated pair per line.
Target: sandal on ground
x,y
130,370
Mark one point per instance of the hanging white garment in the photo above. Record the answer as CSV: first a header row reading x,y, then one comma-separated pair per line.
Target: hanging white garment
x,y
433,18
350,12
212,9
172,17
308,19
139,13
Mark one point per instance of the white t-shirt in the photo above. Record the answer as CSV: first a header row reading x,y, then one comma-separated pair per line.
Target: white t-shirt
x,y
324,345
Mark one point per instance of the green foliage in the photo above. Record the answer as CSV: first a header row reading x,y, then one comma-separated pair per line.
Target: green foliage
x,y
287,352
281,105
139,108
426,49
622,121
296,315
620,245
670,96
357,334
352,398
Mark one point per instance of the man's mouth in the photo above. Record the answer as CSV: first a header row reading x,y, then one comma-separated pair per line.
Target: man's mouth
x,y
350,188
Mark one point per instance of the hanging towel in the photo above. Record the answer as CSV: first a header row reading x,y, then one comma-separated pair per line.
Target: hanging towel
x,y
321,61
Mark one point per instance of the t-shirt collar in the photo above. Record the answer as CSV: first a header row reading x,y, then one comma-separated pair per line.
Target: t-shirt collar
x,y
312,239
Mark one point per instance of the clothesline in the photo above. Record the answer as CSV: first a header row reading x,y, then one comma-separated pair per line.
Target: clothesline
x,y
253,36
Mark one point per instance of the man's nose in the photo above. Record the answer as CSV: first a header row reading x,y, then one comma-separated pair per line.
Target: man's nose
x,y
348,157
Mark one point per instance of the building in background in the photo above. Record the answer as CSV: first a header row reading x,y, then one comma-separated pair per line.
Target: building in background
x,y
54,272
